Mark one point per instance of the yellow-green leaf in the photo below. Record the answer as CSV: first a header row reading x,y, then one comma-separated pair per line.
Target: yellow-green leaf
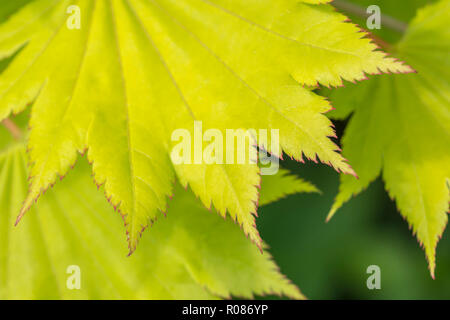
x,y
191,254
137,70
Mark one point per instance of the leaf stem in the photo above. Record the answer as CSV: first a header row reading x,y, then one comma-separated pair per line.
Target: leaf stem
x,y
12,128
361,12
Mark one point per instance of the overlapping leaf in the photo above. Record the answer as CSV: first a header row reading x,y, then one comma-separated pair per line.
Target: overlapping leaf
x,y
193,254
401,126
139,69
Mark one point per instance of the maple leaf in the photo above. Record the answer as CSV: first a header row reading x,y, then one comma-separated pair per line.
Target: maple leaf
x,y
137,70
401,126
193,254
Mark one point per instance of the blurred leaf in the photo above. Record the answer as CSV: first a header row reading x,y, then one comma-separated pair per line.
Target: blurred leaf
x,y
192,254
401,126
281,185
402,11
9,7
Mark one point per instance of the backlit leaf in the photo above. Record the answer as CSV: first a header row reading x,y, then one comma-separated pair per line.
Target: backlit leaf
x,y
137,70
401,126
191,254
